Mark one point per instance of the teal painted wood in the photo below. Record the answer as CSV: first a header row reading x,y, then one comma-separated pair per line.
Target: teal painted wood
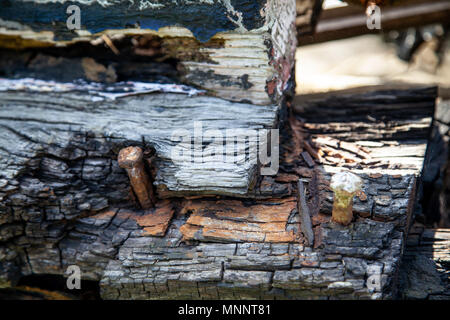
x,y
204,18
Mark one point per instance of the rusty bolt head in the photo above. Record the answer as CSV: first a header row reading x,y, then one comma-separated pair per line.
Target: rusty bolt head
x,y
129,157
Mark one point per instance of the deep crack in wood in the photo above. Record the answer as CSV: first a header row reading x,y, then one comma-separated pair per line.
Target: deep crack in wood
x,y
305,218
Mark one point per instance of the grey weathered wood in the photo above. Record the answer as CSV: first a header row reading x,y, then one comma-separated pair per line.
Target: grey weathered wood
x,y
69,206
48,125
249,55
203,18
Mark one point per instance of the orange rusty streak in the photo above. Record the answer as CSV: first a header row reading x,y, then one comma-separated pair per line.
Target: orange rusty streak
x,y
105,214
155,221
232,220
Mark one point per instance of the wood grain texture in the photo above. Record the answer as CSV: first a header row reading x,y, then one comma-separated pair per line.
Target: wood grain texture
x,y
424,273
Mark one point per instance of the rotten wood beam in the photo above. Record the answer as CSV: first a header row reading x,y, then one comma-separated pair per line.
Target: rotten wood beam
x,y
235,248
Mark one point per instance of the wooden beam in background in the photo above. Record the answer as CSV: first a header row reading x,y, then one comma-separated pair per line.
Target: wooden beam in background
x,y
350,21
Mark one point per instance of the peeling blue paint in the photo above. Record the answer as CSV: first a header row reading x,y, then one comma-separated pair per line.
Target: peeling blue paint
x,y
202,19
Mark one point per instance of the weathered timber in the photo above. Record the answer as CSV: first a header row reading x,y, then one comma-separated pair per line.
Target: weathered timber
x,y
203,18
168,252
240,51
308,13
75,138
379,114
436,172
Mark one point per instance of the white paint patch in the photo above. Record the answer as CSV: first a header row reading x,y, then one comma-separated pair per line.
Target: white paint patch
x,y
101,90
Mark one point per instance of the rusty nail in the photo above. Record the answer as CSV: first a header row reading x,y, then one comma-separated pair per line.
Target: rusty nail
x,y
131,159
344,186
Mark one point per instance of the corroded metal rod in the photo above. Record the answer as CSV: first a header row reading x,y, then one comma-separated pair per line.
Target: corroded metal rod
x,y
131,159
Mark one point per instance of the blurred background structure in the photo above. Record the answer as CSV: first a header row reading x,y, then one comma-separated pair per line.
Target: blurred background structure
x,y
412,48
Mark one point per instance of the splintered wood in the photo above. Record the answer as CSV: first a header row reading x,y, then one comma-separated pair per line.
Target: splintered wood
x,y
233,221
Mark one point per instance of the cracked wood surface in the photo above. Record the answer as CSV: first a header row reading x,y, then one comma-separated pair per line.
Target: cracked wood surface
x,y
231,221
52,217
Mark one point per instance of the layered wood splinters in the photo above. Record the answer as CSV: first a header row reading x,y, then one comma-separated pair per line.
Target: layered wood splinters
x,y
344,185
131,159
